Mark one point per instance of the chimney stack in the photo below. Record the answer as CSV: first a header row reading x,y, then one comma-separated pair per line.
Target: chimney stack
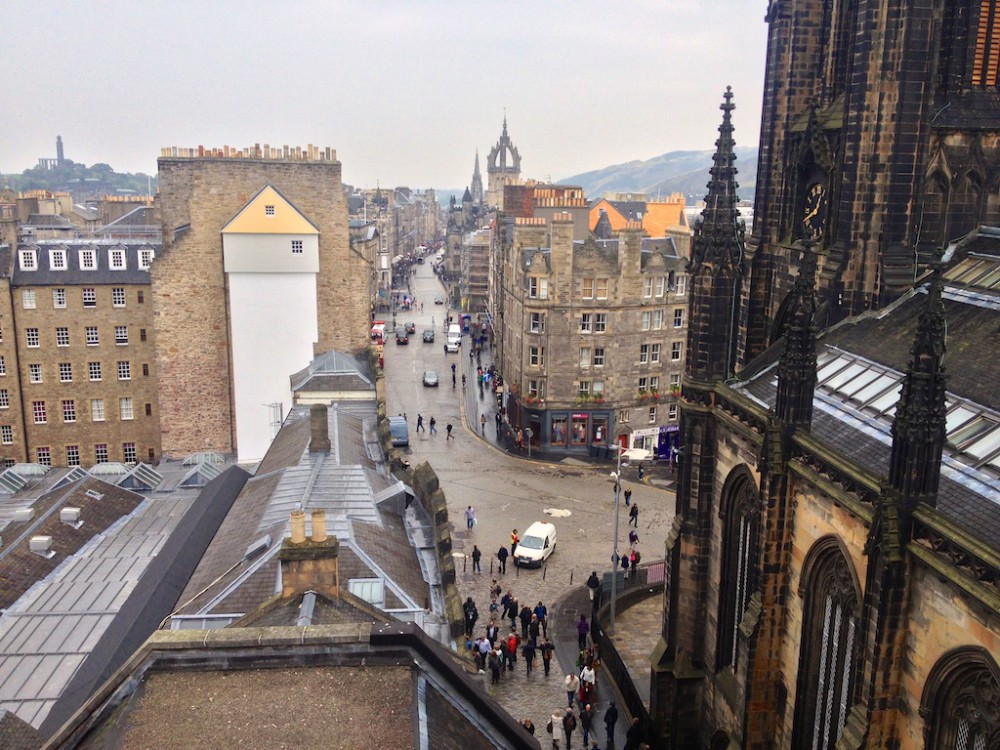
x,y
309,564
319,432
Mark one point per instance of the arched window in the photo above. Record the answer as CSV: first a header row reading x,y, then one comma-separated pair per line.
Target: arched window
x,y
832,604
740,515
839,19
961,703
932,217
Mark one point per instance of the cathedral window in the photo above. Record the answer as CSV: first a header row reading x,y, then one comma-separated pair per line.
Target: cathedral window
x,y
831,605
959,702
740,533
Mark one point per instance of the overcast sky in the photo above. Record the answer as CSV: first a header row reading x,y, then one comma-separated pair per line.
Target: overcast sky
x,y
404,90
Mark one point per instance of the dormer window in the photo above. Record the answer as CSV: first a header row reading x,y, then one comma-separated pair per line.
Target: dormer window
x,y
29,261
145,258
538,288
296,247
117,260
57,260
88,260
268,210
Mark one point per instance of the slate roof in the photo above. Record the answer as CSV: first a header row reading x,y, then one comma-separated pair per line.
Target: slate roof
x,y
17,734
102,275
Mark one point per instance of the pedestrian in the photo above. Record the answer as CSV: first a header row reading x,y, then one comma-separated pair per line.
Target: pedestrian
x,y
529,725
533,629
502,557
484,652
520,440
513,612
633,560
555,728
642,471
633,516
493,660
420,423
498,419
586,721
542,613
445,347
470,517
634,735
482,424
513,641
628,496
610,719
433,424
569,725
546,648
588,681
528,652
625,566
495,589
476,556
448,430
572,684
471,615
594,584
524,615
492,631
633,538
582,628
514,539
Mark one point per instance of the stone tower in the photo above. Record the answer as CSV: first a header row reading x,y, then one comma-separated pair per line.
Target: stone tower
x,y
503,168
879,141
477,183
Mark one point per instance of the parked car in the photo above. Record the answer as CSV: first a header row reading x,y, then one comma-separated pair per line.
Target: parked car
x,y
401,336
428,336
411,327
399,432
430,378
438,299
537,543
451,346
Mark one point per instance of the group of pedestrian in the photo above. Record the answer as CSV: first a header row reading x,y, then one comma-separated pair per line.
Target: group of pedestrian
x,y
564,722
432,424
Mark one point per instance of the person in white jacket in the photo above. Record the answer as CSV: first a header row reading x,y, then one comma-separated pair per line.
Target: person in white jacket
x,y
555,728
572,684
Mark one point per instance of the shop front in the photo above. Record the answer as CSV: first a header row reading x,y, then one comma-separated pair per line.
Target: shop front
x,y
564,431
662,441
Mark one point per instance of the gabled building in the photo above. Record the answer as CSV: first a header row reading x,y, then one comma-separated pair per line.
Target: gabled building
x,y
656,217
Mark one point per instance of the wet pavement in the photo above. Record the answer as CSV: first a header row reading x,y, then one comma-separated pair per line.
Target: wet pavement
x,y
510,491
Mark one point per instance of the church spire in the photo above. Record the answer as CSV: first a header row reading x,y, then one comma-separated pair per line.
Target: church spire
x,y
918,429
477,183
797,365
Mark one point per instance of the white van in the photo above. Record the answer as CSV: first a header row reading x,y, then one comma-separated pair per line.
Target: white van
x,y
455,334
538,542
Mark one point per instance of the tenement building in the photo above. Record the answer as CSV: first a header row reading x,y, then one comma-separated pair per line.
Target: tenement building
x,y
78,381
832,572
590,335
256,275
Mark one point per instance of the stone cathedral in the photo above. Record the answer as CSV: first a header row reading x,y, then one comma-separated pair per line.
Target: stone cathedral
x,y
833,573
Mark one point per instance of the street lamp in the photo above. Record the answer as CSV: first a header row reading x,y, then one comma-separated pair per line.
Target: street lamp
x,y
614,551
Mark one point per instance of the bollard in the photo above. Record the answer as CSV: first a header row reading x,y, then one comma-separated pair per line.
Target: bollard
x,y
465,563
545,569
571,577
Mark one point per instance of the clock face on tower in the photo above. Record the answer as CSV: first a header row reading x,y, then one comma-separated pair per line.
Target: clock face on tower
x,y
814,211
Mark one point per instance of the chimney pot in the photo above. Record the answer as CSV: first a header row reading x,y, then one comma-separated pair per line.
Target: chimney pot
x,y
319,525
298,527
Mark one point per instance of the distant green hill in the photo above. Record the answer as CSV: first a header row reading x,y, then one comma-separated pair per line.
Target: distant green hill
x,y
80,180
673,172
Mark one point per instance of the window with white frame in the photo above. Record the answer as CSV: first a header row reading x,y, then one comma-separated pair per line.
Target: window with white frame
x,y
536,388
678,317
643,353
661,285
94,370
118,296
644,383
598,356
44,454
587,288
101,453
72,455
597,387
38,412
34,373
69,410
4,399
647,287
654,353
536,356
128,453
672,412
28,299
654,382
57,259
586,323
125,409
600,322
92,338
657,320
584,388
58,298
89,297
29,261
65,372
538,288
124,371
31,338
682,284
675,380
88,260
675,351
296,247
651,417
623,416
3,366
601,289
647,318
536,321
145,258
97,409
121,335
7,434
585,356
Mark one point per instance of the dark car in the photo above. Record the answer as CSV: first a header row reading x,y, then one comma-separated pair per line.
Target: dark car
x,y
401,337
428,336
411,327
